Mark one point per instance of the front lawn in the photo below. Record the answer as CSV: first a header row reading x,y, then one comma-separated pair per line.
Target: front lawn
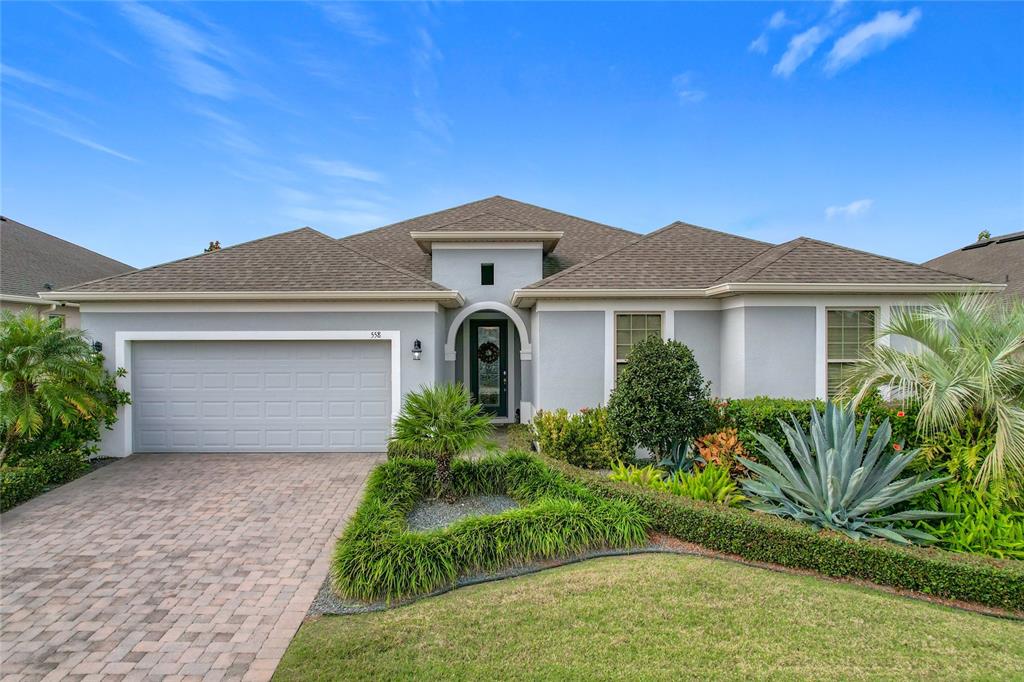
x,y
658,616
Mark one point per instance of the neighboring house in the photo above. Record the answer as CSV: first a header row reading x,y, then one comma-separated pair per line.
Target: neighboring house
x,y
997,259
32,261
300,342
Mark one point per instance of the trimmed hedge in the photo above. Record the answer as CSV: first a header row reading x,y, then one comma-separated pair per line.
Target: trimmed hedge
x,y
379,558
18,484
766,538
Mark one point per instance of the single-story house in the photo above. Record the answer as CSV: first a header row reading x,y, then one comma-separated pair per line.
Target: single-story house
x,y
303,342
32,261
994,259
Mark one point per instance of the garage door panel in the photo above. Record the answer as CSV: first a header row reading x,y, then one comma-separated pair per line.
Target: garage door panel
x,y
221,396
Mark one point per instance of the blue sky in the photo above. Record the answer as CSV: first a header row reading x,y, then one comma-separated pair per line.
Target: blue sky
x,y
146,130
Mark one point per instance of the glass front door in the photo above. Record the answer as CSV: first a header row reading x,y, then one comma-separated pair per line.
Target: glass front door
x,y
488,363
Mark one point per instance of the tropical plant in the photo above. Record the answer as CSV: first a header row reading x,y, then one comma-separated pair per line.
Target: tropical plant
x,y
722,448
54,392
660,396
981,520
711,484
681,456
648,476
966,364
840,481
440,422
583,439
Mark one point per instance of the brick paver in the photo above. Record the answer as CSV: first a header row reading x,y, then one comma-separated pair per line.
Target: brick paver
x,y
171,566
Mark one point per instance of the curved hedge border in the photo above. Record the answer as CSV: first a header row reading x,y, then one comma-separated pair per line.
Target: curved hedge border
x,y
762,537
377,557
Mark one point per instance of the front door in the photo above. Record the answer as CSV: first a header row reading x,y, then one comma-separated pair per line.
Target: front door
x,y
488,365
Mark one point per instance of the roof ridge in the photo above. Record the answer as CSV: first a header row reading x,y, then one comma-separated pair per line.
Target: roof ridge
x,y
878,255
8,219
722,232
567,215
200,255
792,244
394,267
477,215
425,215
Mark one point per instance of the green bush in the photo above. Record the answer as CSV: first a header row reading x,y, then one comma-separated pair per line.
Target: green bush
x,y
379,558
710,484
584,439
660,397
519,437
983,521
18,484
762,537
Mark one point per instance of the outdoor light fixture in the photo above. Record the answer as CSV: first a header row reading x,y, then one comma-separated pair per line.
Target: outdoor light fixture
x,y
97,346
417,349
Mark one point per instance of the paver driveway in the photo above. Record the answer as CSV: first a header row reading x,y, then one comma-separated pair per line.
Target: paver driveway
x,y
197,566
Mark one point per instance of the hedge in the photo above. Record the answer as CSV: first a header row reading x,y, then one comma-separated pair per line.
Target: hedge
x,y
765,538
379,558
18,484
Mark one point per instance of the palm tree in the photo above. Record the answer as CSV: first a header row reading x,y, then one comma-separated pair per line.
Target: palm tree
x,y
46,373
441,422
967,366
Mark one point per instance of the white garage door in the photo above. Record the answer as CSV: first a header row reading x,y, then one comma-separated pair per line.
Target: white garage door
x,y
272,396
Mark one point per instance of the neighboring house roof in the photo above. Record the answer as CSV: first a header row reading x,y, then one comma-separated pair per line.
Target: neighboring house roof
x,y
582,239
998,259
297,263
30,260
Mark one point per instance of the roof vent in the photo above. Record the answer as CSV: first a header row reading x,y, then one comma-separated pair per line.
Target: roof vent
x,y
978,245
1011,238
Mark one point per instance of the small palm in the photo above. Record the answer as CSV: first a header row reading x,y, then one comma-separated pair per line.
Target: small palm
x,y
441,422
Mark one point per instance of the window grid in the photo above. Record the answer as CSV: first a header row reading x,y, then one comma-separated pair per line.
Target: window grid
x,y
631,329
850,334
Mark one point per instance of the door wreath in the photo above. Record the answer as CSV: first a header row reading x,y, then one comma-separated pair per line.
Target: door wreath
x,y
488,352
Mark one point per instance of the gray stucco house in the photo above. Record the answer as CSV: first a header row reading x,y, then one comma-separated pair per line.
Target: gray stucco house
x,y
302,342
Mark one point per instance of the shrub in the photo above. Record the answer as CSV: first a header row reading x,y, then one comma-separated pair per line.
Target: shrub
x,y
837,484
440,422
712,484
660,397
378,558
771,539
519,437
981,520
722,448
18,484
583,439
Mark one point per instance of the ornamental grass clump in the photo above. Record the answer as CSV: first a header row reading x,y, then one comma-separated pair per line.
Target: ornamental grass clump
x,y
839,481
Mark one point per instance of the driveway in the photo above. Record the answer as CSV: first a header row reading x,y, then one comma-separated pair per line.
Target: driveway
x,y
156,566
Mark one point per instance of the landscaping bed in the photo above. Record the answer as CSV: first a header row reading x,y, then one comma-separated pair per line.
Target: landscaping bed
x,y
379,558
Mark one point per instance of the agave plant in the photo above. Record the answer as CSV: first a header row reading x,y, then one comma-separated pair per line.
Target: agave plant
x,y
839,480
681,456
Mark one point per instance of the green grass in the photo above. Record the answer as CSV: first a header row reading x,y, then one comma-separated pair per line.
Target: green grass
x,y
659,617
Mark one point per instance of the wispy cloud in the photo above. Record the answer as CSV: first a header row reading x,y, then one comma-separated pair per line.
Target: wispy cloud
x,y
9,73
801,47
870,37
759,44
426,101
779,20
341,169
685,89
62,128
775,22
194,60
354,21
850,210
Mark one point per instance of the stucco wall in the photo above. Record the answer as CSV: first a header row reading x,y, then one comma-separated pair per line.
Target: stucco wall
x,y
732,358
412,325
72,319
779,351
569,358
513,268
701,331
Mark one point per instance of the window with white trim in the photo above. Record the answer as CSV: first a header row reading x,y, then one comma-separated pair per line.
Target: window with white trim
x,y
631,329
56,317
850,334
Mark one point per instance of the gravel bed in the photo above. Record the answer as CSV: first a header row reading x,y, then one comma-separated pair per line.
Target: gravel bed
x,y
434,514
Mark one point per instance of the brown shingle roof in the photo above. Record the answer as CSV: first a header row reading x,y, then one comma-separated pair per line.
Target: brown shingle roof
x,y
487,222
302,260
582,239
999,259
31,259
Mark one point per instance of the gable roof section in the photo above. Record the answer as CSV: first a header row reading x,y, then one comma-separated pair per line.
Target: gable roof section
x,y
297,263
999,259
581,241
31,259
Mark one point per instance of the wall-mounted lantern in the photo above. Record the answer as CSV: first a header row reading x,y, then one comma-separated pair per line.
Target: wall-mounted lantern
x,y
97,346
417,349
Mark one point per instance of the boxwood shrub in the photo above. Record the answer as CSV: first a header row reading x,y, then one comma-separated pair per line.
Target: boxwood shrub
x,y
377,557
766,538
18,484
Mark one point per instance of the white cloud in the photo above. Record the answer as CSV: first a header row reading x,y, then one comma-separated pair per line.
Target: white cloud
x,y
685,90
871,36
9,73
801,47
341,169
850,210
759,45
427,109
62,128
353,21
193,59
779,20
